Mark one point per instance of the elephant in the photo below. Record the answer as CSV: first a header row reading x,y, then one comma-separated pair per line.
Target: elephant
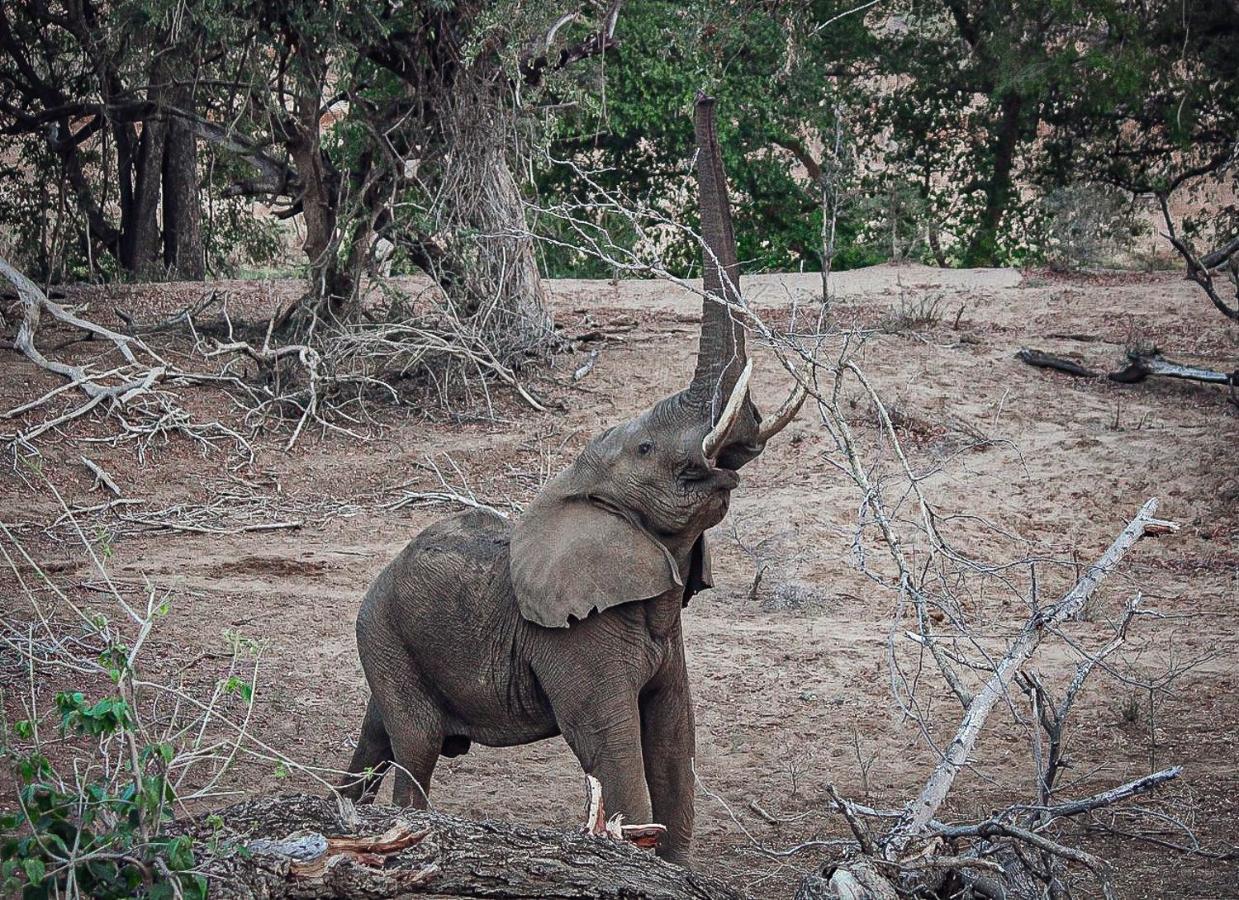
x,y
567,621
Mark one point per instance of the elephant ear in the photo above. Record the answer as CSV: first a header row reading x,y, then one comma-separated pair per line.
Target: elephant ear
x,y
700,577
571,555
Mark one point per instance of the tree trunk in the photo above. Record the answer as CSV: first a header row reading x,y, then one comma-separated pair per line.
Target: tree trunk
x,y
183,253
333,286
999,190
127,157
146,258
301,846
488,270
501,267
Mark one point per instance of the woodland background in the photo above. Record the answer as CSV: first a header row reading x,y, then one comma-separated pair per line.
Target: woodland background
x,y
283,283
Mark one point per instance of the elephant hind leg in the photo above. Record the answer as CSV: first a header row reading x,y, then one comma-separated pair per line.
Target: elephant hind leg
x,y
371,759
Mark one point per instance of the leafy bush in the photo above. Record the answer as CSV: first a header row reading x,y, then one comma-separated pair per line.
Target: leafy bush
x,y
1086,225
93,804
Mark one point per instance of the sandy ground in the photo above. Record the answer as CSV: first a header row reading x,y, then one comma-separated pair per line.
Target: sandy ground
x,y
791,681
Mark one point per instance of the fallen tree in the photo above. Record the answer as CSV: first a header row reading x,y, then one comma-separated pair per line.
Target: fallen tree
x,y
311,847
1141,365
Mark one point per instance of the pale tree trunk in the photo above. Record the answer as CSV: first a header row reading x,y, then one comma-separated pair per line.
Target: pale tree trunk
x,y
489,270
504,269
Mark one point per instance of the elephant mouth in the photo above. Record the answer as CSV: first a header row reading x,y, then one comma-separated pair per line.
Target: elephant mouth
x,y
728,479
711,478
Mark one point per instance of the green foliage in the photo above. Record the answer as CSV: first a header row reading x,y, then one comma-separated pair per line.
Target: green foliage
x,y
40,226
631,127
967,120
962,122
100,837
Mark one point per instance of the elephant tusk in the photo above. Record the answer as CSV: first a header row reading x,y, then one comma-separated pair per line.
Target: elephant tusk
x,y
786,413
713,442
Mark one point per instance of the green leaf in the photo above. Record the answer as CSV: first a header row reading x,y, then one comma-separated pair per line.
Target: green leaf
x,y
35,870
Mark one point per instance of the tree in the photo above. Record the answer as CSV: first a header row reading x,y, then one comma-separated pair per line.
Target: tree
x,y
405,123
622,126
84,82
1159,116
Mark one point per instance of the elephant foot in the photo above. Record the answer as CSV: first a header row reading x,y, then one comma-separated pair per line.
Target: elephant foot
x,y
596,822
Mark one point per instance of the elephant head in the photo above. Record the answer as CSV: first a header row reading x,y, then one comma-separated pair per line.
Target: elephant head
x,y
617,524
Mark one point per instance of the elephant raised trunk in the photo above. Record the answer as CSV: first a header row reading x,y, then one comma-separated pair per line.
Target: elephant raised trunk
x,y
721,354
567,620
719,390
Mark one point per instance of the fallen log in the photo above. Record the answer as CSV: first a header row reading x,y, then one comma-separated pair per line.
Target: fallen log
x,y
298,846
1140,365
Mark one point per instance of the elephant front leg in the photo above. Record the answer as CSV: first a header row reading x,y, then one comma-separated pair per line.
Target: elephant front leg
x,y
668,743
605,735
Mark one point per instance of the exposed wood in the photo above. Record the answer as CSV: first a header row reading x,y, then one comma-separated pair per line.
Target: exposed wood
x,y
534,66
1110,797
309,847
101,476
1141,365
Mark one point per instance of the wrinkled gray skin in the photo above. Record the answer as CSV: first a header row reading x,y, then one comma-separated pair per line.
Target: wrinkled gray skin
x,y
568,621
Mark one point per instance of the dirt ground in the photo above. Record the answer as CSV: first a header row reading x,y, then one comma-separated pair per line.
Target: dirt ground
x,y
791,680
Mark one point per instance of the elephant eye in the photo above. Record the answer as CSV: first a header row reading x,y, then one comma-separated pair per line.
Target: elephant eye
x,y
645,448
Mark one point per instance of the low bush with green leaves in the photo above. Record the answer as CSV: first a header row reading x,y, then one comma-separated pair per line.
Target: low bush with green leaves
x,y
100,771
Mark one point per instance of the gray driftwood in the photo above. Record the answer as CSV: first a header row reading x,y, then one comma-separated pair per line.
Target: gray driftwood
x,y
313,847
1140,365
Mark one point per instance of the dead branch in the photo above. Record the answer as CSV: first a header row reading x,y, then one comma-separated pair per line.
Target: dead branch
x,y
301,846
957,753
858,827
1042,360
131,389
994,828
176,320
101,477
1140,366
1112,796
533,66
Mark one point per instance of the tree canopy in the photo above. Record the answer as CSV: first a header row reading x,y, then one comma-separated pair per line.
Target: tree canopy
x,y
959,132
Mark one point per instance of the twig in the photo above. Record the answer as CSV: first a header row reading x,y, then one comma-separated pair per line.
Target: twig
x,y
101,477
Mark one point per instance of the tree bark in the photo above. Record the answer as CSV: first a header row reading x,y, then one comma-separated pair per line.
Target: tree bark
x,y
999,189
333,286
145,244
183,252
500,265
302,846
487,267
